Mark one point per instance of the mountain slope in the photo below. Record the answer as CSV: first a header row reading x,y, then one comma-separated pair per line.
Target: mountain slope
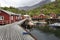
x,y
47,9
35,6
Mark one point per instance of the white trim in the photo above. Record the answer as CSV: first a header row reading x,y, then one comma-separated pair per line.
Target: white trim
x,y
2,17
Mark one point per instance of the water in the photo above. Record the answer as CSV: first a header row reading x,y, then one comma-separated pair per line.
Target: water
x,y
43,36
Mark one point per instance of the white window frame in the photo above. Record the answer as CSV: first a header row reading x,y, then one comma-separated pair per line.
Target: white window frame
x,y
2,18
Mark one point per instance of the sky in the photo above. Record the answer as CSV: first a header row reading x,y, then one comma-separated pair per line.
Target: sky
x,y
19,3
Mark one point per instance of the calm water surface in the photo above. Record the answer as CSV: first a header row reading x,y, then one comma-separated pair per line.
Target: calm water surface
x,y
43,36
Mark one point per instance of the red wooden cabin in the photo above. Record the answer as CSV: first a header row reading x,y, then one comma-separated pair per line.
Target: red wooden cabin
x,y
7,17
15,17
35,17
53,15
42,16
4,17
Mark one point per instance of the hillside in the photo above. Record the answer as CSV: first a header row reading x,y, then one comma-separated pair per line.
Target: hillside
x,y
35,5
14,10
47,9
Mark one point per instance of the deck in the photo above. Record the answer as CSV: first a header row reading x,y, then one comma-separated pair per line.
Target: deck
x,y
14,32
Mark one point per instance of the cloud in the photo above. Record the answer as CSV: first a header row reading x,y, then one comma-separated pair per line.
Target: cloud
x,y
18,3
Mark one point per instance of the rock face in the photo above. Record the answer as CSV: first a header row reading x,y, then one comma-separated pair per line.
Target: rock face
x,y
35,6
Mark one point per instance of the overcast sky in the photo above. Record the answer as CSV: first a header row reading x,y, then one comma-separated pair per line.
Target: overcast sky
x,y
18,3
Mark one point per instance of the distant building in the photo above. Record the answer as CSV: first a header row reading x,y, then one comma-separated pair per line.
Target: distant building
x,y
53,16
42,16
35,16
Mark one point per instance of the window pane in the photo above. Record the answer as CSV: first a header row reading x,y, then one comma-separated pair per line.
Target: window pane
x,y
1,17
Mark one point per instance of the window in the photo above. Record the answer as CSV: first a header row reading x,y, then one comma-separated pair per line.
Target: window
x,y
1,18
11,17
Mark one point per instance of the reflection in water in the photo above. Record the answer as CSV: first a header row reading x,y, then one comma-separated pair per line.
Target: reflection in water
x,y
43,36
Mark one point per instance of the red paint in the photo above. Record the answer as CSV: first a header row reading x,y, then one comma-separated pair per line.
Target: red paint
x,y
53,15
42,16
6,17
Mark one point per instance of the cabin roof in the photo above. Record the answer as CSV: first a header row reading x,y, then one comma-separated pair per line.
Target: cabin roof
x,y
10,13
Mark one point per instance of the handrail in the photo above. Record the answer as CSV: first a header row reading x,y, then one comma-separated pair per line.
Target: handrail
x,y
29,33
